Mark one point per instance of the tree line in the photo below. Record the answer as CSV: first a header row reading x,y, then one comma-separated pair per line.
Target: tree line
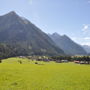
x,y
8,50
13,50
72,58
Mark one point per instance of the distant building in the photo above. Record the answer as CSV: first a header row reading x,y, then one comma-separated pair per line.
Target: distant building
x,y
64,60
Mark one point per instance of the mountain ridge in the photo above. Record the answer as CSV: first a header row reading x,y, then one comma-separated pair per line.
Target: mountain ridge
x,y
68,45
15,30
87,48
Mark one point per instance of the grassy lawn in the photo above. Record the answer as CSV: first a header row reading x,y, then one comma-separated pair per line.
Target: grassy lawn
x,y
45,76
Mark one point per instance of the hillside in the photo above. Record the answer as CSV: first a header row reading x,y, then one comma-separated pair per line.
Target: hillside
x,y
87,48
68,45
19,32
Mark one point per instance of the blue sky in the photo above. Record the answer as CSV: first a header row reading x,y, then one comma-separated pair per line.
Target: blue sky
x,y
70,17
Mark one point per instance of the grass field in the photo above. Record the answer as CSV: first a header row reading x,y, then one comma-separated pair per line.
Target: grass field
x,y
45,76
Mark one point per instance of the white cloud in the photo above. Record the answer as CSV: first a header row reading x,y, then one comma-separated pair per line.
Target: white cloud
x,y
82,40
86,27
76,38
84,37
87,43
87,38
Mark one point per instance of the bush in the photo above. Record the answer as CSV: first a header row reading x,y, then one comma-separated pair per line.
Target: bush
x,y
36,62
0,61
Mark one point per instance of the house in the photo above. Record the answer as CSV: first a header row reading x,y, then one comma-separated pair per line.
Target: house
x,y
76,61
64,60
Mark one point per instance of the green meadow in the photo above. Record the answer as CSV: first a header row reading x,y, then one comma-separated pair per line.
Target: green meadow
x,y
43,76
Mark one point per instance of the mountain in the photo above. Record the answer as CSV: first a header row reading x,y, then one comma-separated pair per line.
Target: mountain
x,y
66,44
15,30
87,48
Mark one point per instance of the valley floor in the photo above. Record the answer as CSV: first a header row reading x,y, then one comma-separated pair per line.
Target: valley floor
x,y
43,76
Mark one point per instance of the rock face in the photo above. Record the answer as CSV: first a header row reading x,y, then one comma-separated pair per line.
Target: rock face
x,y
16,30
87,48
67,45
